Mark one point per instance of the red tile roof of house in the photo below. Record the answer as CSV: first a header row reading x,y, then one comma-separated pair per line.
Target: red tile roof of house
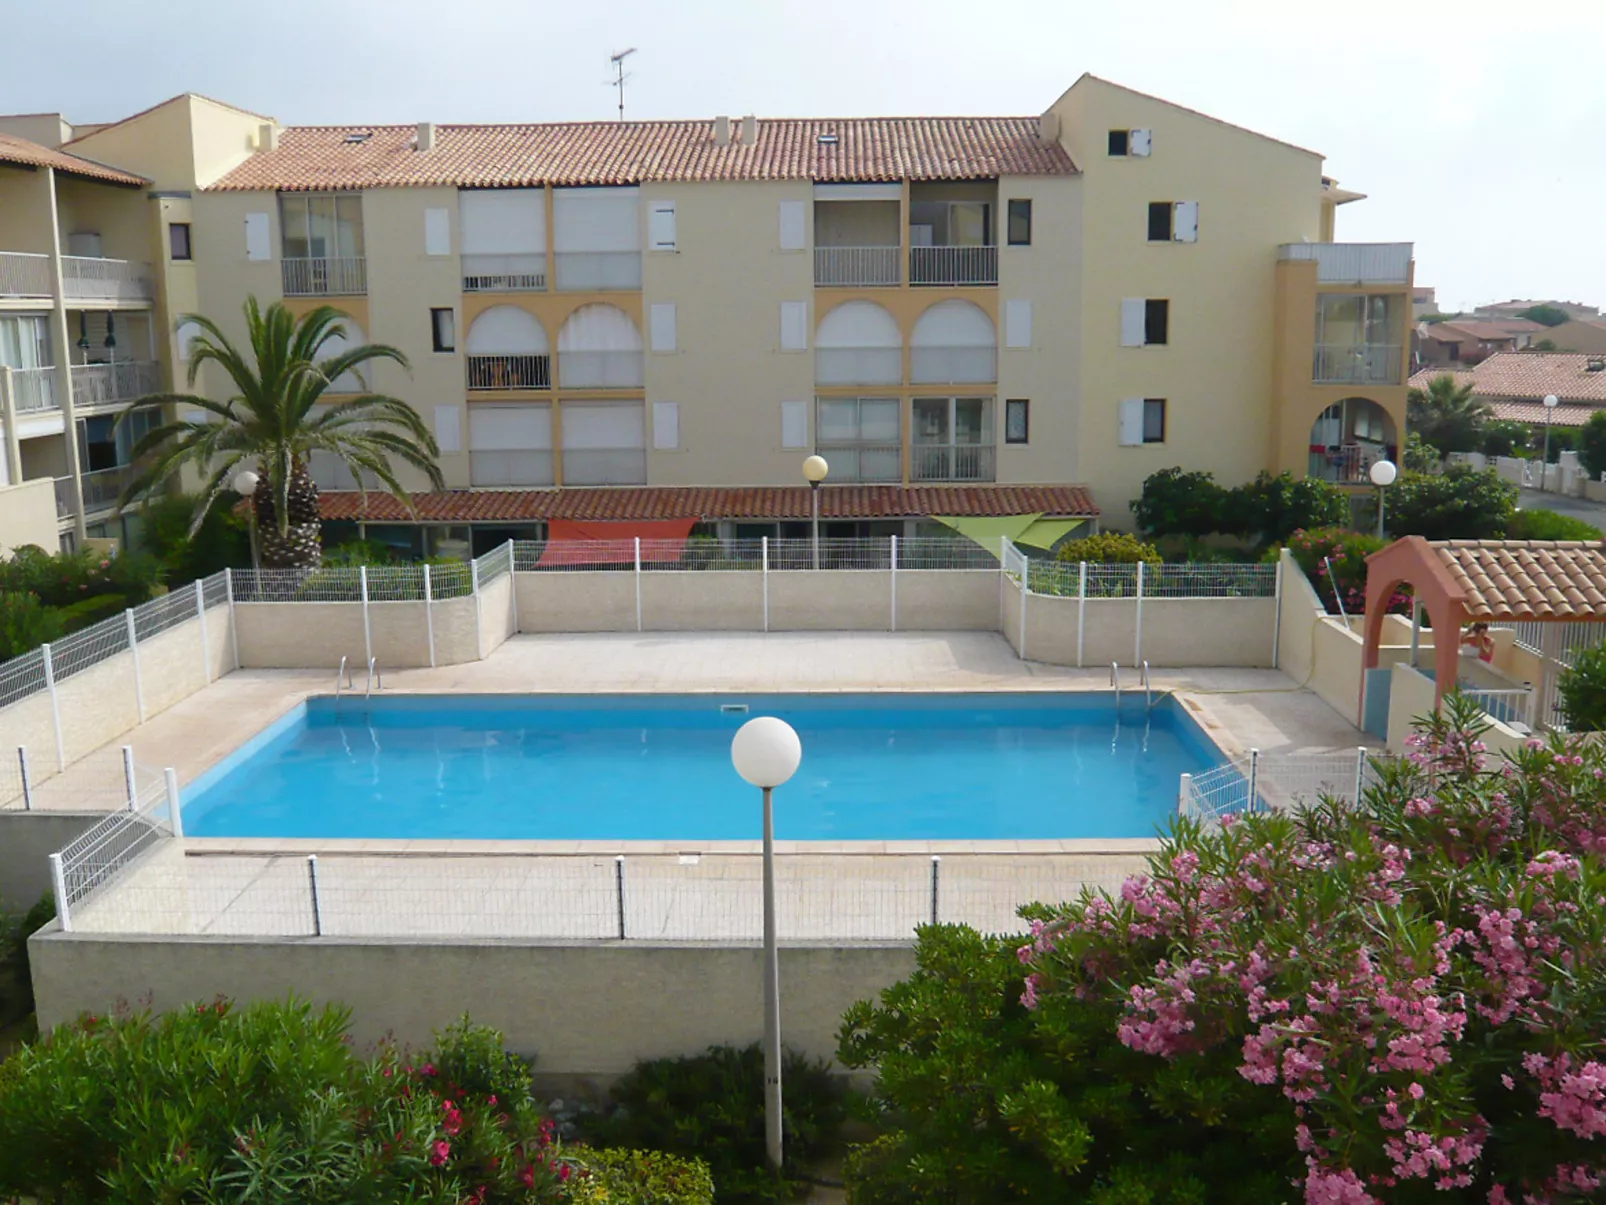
x,y
642,503
1488,331
1527,579
30,154
866,149
1530,376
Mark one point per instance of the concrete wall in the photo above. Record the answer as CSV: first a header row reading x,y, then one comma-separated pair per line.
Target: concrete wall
x,y
496,618
944,600
713,601
28,515
577,602
585,1009
1175,631
830,600
1410,696
27,839
314,635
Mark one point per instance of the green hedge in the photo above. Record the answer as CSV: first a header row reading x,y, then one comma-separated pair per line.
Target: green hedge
x,y
623,1177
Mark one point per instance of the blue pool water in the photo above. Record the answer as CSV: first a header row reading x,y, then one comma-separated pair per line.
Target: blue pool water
x,y
875,767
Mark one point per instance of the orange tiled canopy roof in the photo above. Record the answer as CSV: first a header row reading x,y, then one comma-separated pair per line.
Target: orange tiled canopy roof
x,y
30,154
1527,579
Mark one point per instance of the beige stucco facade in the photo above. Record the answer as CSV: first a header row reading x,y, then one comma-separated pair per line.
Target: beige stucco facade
x,y
28,515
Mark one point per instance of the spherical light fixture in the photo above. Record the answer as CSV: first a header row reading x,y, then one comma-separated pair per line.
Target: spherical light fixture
x,y
1551,401
245,483
815,469
766,751
1383,472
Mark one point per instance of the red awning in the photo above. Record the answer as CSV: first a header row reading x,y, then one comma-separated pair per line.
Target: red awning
x,y
587,542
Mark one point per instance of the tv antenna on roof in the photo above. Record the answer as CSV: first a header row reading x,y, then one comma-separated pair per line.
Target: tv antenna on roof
x,y
621,75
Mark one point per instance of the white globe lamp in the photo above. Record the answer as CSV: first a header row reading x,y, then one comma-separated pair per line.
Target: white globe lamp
x,y
766,751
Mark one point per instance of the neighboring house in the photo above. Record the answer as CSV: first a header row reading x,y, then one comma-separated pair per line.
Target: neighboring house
x,y
1515,385
1424,302
1514,309
1461,342
640,321
1581,334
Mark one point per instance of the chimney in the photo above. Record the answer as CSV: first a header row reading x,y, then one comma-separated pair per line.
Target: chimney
x,y
267,137
1048,127
749,130
722,130
426,136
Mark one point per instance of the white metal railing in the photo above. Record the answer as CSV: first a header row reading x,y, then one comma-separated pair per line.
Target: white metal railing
x,y
604,466
87,278
103,487
511,466
953,365
1077,579
504,273
1512,707
325,276
1275,782
598,269
858,365
24,274
856,266
1350,464
863,462
34,390
509,372
953,265
1354,263
952,462
1357,363
64,498
123,381
600,369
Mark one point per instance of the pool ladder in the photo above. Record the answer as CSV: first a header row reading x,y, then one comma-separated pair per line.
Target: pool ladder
x,y
1143,681
373,678
342,675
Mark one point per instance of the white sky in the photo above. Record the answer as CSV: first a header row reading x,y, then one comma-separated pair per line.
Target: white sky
x,y
1477,128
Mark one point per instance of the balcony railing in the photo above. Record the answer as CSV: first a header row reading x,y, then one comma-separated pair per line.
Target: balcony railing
x,y
321,276
953,265
104,384
509,372
604,466
1354,263
64,499
504,273
858,365
598,269
24,275
952,365
86,279
863,462
600,370
856,266
103,487
1347,464
511,466
1357,363
951,462
34,391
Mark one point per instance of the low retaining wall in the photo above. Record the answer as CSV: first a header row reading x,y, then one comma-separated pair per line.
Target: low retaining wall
x,y
27,839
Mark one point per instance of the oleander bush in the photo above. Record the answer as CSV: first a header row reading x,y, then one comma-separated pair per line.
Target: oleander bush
x,y
1109,548
1264,511
1334,561
1461,503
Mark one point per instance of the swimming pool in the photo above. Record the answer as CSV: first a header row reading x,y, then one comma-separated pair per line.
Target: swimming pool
x,y
600,767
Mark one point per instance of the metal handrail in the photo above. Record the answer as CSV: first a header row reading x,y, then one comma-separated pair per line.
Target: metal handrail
x,y
1115,683
1148,689
373,675
340,673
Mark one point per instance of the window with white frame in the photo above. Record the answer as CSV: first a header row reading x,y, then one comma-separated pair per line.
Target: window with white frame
x,y
510,445
861,438
604,443
951,439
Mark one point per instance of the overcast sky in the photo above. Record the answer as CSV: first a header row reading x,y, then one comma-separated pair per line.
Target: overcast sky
x,y
1477,128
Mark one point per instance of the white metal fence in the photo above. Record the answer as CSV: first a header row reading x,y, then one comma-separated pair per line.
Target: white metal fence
x,y
1275,782
1071,579
117,844
700,553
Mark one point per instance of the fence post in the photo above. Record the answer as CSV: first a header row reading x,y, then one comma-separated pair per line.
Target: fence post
x,y
764,553
936,863
894,583
1081,610
1277,615
1025,591
206,645
429,615
513,583
131,787
27,783
638,583
1184,789
1254,774
312,882
175,814
133,652
367,631
55,705
1003,576
1360,773
479,618
58,885
619,891
1137,638
234,619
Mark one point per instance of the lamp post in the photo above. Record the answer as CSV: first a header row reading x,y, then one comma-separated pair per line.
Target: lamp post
x,y
1382,474
766,752
245,484
814,471
1551,402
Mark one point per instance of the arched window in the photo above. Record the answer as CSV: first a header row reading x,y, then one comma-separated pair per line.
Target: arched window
x,y
858,343
599,347
507,349
1348,438
953,343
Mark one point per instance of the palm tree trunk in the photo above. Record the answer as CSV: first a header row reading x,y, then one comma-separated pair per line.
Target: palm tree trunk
x,y
301,546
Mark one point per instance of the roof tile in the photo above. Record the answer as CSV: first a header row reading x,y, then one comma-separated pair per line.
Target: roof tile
x,y
31,154
1528,579
1530,375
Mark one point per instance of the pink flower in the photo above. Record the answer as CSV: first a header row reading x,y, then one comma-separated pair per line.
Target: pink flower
x,y
439,1152
427,1069
527,1176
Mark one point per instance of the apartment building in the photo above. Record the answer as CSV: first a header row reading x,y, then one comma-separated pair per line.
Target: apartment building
x,y
648,322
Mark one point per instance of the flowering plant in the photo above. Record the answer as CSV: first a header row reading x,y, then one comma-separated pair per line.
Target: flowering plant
x,y
1334,560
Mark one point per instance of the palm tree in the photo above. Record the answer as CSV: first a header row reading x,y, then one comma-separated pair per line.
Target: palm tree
x,y
274,419
1446,414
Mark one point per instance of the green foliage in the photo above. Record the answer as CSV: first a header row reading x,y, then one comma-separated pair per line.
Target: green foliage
x,y
1461,503
1592,444
62,578
354,553
711,1106
16,980
1582,690
1541,524
1274,507
1109,548
1178,503
26,623
1447,415
87,612
222,541
1545,315
1505,437
1268,509
1420,456
625,1177
1334,561
1544,345
1562,439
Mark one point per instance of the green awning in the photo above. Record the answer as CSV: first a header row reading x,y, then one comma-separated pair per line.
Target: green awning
x,y
987,530
1045,533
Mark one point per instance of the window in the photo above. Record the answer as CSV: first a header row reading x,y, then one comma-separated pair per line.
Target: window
x,y
1017,420
950,224
1020,223
1119,140
1134,143
322,226
1160,213
178,240
443,328
1142,421
1156,320
860,437
1154,420
952,439
1173,221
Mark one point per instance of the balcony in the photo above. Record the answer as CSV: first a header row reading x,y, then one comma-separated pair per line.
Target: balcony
x,y
600,370
1356,364
106,384
504,273
101,488
604,466
25,275
1353,263
864,462
951,462
856,266
33,390
509,372
83,278
326,277
598,270
511,467
953,265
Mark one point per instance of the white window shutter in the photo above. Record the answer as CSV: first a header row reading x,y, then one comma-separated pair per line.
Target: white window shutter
x,y
1131,426
793,231
1185,222
665,425
1017,323
661,226
257,243
662,324
794,326
1140,143
448,426
1132,322
437,232
794,424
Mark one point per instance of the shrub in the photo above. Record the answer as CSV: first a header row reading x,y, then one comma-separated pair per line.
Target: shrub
x,y
26,623
621,1177
1421,456
1175,503
355,553
87,612
16,981
1505,437
1273,508
1541,524
1110,548
1582,689
1461,503
1562,439
711,1106
222,541
1346,553
1592,444
69,577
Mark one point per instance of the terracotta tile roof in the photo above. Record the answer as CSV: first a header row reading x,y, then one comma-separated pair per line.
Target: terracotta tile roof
x,y
713,502
1534,412
866,149
1487,331
1527,579
1530,375
30,154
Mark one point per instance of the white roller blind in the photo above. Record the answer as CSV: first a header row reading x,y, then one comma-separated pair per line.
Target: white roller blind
x,y
448,428
604,426
794,424
257,243
525,427
502,221
1017,323
1132,324
437,232
596,219
1131,421
794,326
1140,143
793,229
662,316
661,226
665,425
1185,222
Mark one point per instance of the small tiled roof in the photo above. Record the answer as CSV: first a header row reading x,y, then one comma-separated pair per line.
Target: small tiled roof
x,y
30,154
1527,579
865,149
1535,413
1488,331
785,502
1531,375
